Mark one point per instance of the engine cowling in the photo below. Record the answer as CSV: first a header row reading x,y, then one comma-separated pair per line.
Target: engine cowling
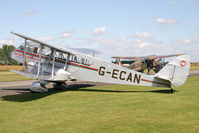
x,y
38,87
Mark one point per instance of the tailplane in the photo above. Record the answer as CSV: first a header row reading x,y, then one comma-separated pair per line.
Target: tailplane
x,y
176,71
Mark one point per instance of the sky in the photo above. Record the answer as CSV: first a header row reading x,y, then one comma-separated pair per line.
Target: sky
x,y
113,27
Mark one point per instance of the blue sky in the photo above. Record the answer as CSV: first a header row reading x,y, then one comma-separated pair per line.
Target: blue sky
x,y
114,27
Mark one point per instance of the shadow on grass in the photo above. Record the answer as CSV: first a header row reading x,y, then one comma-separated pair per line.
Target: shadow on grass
x,y
118,91
25,96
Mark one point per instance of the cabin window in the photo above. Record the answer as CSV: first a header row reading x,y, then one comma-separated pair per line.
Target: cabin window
x,y
30,47
35,50
46,51
82,61
57,55
73,58
64,56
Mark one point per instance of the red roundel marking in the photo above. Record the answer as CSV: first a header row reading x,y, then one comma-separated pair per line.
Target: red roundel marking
x,y
183,63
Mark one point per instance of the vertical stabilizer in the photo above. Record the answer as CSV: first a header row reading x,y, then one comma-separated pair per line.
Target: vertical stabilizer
x,y
176,71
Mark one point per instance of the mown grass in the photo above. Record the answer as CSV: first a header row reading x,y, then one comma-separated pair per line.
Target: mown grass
x,y
195,68
116,108
10,76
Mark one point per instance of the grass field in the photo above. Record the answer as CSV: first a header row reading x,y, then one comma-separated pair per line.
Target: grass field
x,y
111,109
10,76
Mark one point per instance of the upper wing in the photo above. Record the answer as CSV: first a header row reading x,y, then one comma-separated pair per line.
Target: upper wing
x,y
146,57
135,57
44,44
166,56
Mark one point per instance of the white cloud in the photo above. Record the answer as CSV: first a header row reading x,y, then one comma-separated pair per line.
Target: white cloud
x,y
67,34
188,46
124,46
175,2
45,39
142,44
184,41
143,35
30,13
166,21
8,42
196,40
187,41
123,38
100,31
191,2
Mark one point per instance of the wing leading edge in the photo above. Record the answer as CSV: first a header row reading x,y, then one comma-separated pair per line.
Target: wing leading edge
x,y
44,44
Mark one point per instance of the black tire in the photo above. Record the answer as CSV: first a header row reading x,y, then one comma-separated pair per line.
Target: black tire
x,y
60,86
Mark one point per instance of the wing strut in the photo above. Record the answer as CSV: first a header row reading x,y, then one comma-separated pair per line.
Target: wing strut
x,y
40,55
53,67
24,55
66,62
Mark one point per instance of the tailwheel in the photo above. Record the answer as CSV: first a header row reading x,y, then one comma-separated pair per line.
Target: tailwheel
x,y
60,86
172,90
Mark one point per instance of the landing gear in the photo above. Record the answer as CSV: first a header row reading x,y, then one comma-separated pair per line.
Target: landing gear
x,y
60,86
40,86
172,90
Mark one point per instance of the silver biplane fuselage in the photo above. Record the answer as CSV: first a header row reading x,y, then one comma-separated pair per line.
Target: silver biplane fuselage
x,y
50,64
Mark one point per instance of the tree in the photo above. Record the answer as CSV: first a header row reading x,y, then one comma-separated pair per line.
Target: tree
x,y
5,53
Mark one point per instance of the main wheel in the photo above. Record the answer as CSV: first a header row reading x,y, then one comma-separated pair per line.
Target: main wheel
x,y
60,86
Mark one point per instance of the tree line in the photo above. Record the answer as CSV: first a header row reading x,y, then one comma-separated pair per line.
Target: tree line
x,y
5,55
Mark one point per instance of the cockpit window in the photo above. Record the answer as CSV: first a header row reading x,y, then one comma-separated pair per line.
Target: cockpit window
x,y
30,47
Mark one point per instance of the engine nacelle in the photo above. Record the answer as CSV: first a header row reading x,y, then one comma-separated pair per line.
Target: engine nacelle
x,y
37,87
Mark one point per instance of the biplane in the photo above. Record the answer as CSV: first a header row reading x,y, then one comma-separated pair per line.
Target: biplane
x,y
47,63
141,63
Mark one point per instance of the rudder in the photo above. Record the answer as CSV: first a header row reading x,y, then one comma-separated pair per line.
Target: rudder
x,y
176,71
